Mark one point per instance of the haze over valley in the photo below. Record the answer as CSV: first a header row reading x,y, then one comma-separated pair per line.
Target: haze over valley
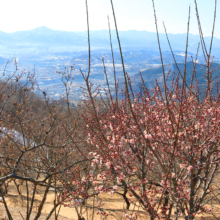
x,y
46,51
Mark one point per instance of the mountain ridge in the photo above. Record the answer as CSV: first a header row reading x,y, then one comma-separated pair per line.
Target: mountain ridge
x,y
100,39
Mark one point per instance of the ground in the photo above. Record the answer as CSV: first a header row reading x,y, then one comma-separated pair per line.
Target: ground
x,y
114,203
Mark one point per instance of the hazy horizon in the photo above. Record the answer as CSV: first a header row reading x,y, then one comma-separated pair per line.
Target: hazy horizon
x,y
71,15
102,30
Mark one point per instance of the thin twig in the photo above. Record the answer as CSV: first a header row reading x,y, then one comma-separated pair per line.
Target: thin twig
x,y
161,57
122,59
113,62
87,13
186,52
213,28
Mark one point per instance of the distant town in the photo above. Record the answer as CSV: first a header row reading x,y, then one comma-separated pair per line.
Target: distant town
x,y
34,54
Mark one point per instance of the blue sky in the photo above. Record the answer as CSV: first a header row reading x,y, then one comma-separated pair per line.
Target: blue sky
x,y
69,15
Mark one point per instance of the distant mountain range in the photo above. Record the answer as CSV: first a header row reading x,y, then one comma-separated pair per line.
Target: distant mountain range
x,y
49,50
44,36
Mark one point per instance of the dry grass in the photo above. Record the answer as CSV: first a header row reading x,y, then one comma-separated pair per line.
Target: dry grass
x,y
114,204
